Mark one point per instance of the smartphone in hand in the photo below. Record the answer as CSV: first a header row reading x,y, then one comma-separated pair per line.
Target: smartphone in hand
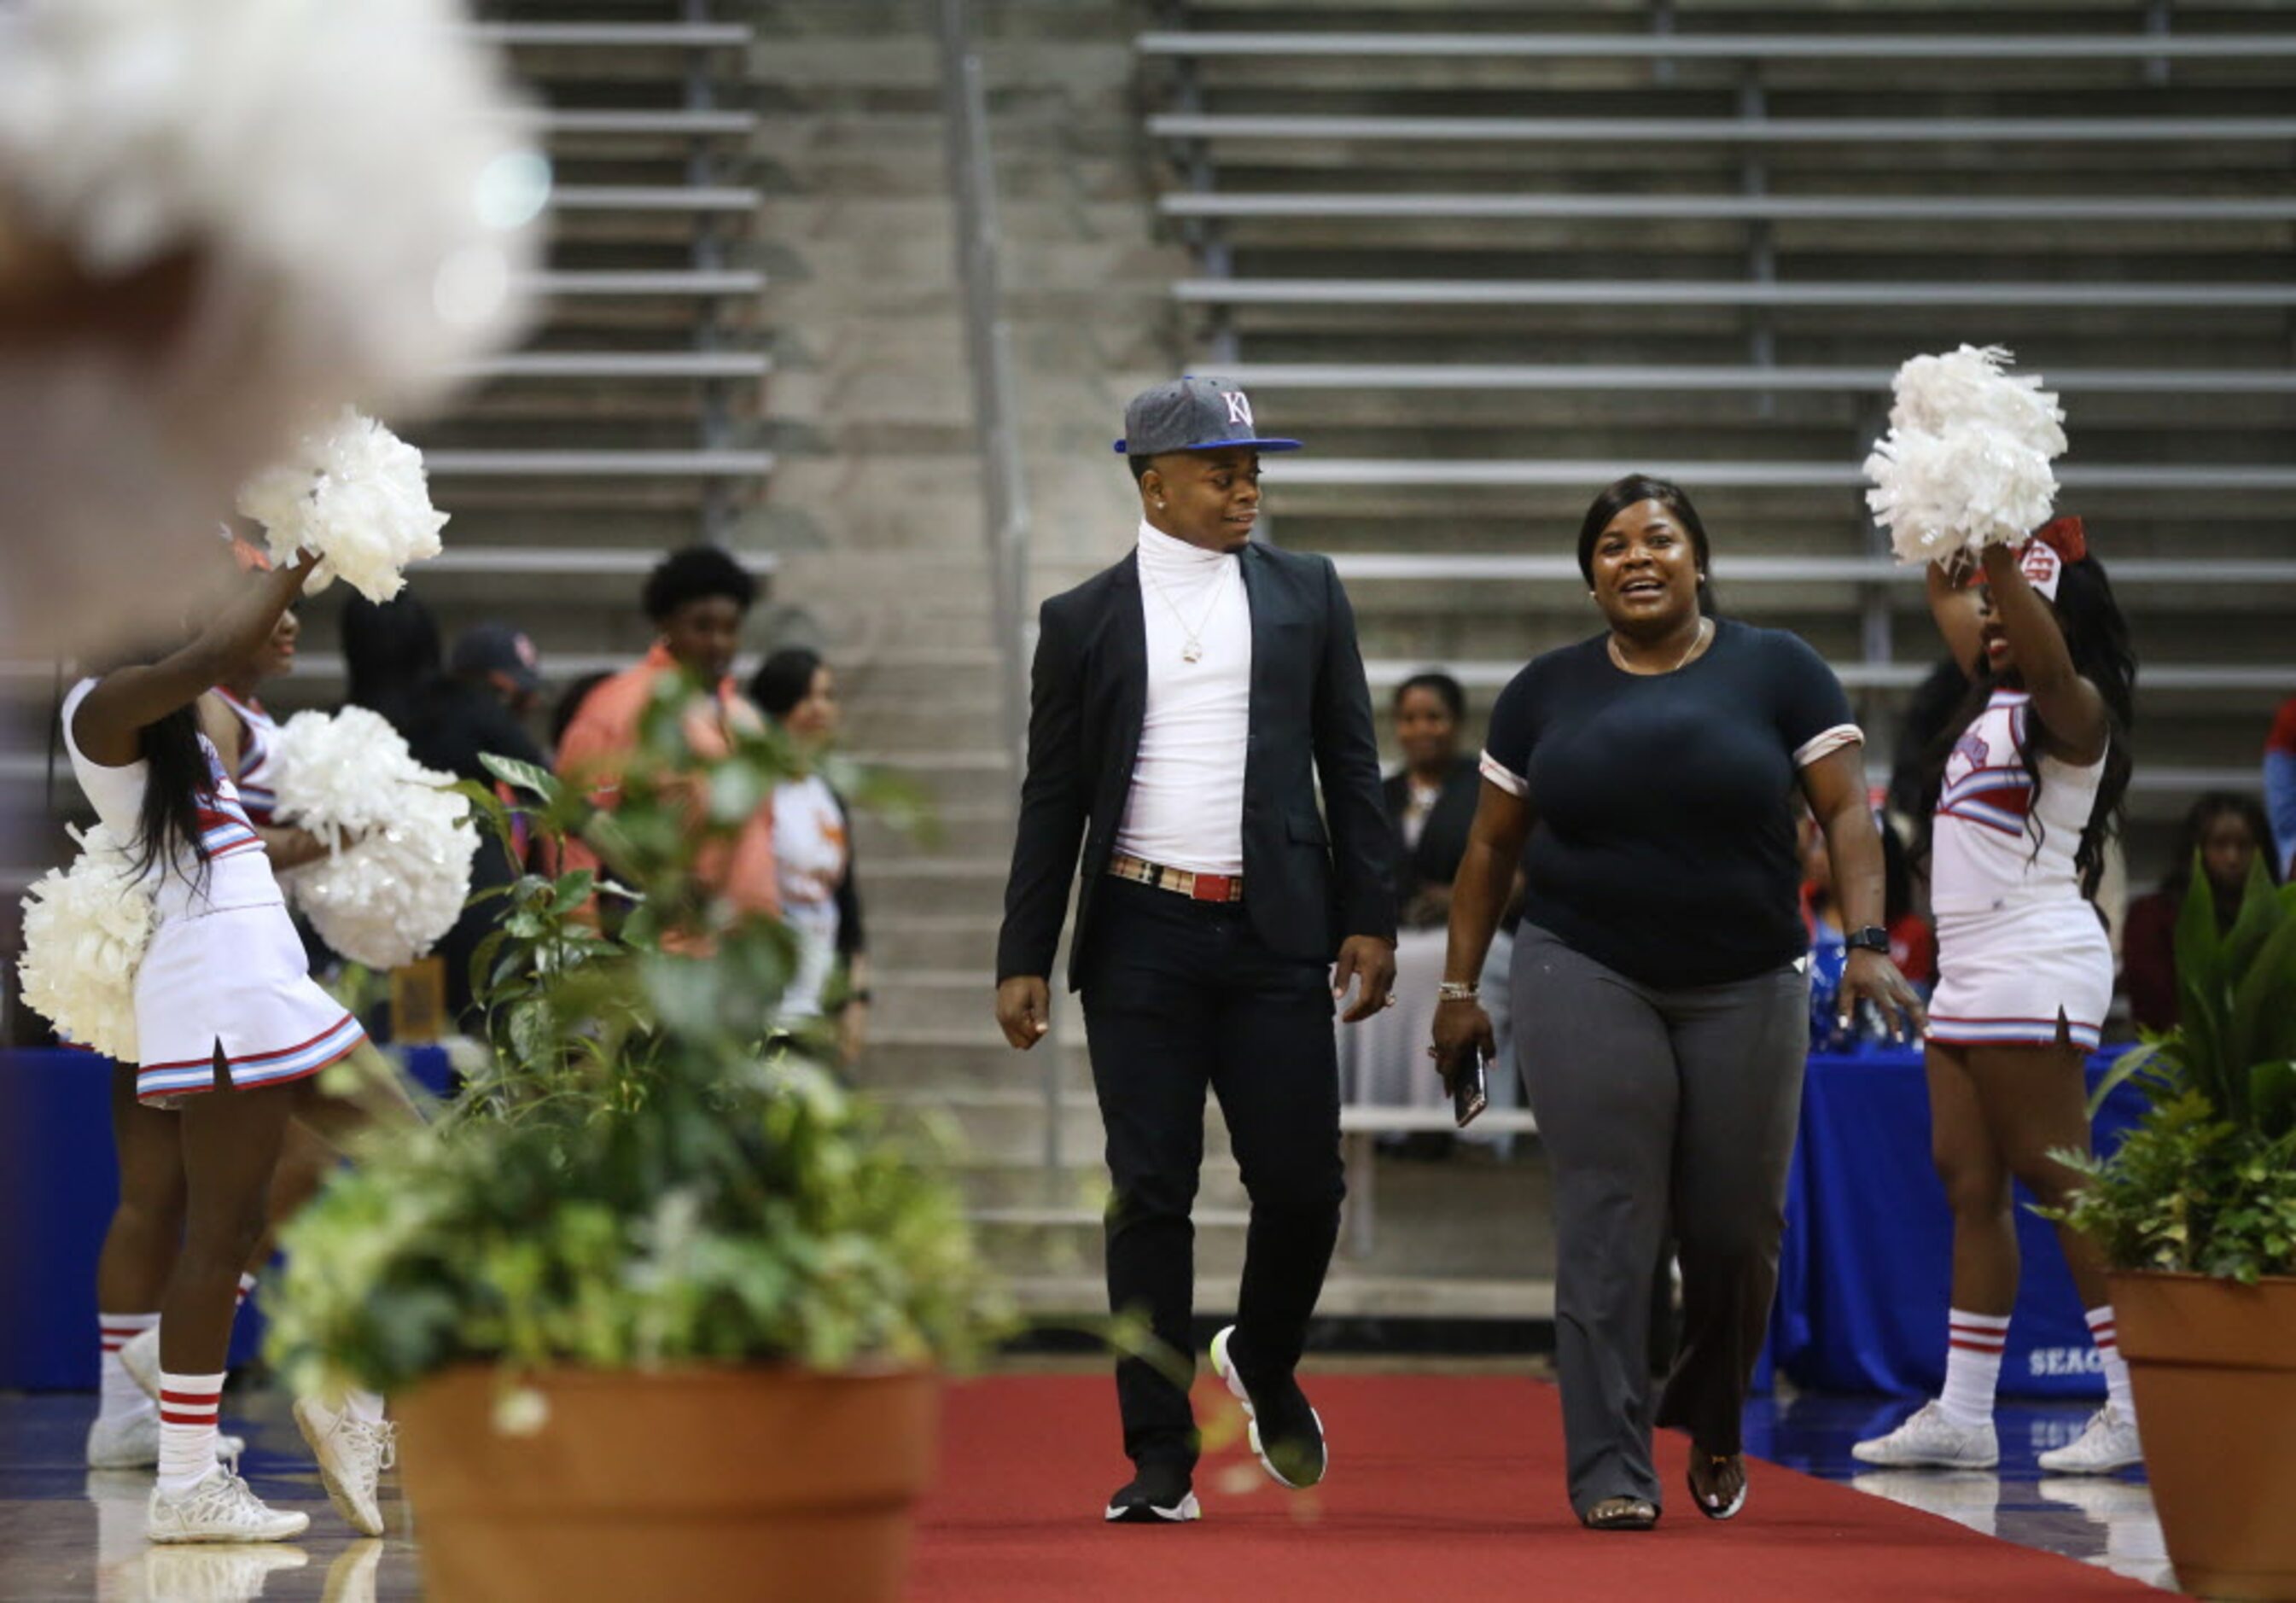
x,y
1470,1081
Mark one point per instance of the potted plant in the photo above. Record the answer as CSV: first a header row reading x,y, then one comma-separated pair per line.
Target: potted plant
x,y
2196,1214
656,1304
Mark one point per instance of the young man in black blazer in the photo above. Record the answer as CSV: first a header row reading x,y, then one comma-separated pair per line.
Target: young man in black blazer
x,y
1186,702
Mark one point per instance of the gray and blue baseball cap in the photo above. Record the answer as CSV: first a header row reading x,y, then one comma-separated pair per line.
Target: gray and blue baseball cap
x,y
1192,414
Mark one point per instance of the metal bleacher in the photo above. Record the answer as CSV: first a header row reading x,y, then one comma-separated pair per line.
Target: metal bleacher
x,y
629,422
1487,258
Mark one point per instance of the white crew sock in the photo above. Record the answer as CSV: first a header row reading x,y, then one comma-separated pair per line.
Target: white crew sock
x,y
365,1406
121,1395
188,1406
1973,1366
2102,1330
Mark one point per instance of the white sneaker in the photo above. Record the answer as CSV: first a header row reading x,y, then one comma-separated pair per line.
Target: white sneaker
x,y
352,1456
140,1357
2109,1443
132,1441
226,1574
220,1507
1929,1440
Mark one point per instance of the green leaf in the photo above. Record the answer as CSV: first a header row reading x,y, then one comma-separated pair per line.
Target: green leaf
x,y
2259,915
2265,993
736,791
524,775
2148,1060
2196,935
2272,1097
573,890
489,805
686,991
483,960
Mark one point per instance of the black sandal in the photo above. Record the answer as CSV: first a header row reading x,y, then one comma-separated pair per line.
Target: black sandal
x,y
1620,1514
1715,1461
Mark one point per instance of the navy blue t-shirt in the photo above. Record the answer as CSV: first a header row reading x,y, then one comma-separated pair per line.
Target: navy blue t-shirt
x,y
1665,803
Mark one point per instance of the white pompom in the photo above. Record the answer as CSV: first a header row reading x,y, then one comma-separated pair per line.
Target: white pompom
x,y
1965,463
355,493
358,171
400,846
1971,387
85,930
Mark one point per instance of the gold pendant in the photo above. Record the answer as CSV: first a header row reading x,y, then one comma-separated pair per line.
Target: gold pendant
x,y
1192,652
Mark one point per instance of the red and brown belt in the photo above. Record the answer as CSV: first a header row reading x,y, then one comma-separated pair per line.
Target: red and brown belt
x,y
1180,881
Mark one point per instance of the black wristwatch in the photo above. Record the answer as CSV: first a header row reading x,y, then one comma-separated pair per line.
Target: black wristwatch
x,y
1873,938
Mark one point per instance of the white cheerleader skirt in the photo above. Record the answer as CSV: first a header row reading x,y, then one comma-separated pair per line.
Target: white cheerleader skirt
x,y
235,980
2005,977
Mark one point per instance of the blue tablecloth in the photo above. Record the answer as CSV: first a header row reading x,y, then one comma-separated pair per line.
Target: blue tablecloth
x,y
59,1181
1866,1263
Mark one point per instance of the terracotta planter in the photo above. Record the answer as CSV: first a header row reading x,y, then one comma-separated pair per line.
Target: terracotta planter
x,y
2214,1367
765,1483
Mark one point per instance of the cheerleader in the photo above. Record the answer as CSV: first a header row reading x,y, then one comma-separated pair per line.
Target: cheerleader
x,y
2023,803
813,854
139,1248
231,1032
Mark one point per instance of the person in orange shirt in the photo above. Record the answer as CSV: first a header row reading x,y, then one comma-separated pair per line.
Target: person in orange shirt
x,y
698,598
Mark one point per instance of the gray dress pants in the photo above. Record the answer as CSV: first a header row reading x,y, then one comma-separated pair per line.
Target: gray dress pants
x,y
1659,1110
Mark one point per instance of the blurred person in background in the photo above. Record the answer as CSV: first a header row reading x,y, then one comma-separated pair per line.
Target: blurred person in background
x,y
2280,785
2229,833
390,651
570,702
479,707
697,599
1913,945
1431,803
813,852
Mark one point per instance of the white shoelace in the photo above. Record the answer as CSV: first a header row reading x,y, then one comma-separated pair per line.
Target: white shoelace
x,y
224,1500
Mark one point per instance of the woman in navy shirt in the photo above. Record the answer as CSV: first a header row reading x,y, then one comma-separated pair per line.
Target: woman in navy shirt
x,y
1648,781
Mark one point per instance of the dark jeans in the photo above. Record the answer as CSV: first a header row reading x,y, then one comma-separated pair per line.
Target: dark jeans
x,y
1180,995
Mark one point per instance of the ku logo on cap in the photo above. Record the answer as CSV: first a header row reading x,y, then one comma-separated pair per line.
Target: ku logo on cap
x,y
1238,409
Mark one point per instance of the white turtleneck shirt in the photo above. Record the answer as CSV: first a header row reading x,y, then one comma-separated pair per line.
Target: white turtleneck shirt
x,y
1186,806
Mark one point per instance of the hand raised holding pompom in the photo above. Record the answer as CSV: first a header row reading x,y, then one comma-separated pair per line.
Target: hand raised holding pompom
x,y
1966,462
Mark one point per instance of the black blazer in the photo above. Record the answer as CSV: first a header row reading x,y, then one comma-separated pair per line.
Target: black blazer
x,y
1443,839
1308,885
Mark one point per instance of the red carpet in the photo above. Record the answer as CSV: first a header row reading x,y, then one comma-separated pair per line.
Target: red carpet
x,y
1442,1487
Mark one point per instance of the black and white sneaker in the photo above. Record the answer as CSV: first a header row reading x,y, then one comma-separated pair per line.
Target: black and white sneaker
x,y
1284,1432
1159,1494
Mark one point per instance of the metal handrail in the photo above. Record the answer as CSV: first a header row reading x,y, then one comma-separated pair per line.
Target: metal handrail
x,y
1705,293
1730,47
995,421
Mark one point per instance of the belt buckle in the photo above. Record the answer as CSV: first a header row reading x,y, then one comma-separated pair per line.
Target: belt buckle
x,y
1212,887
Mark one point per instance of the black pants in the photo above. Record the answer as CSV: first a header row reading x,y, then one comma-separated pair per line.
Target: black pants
x,y
1179,995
